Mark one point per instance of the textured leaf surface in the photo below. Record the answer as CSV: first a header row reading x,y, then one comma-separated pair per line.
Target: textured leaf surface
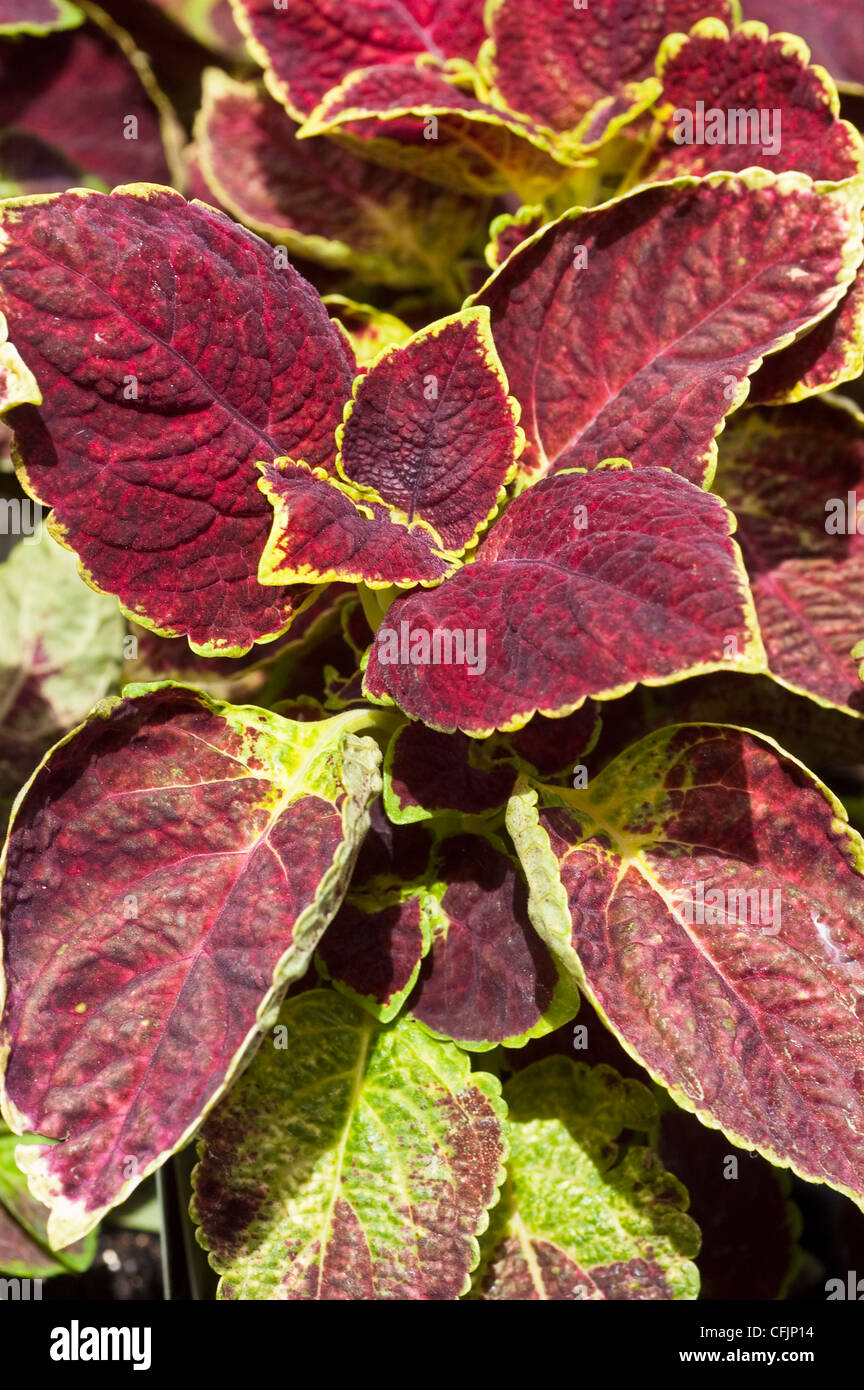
x,y
79,108
629,331
412,118
432,430
37,16
352,1163
309,46
172,354
582,1216
487,979
748,1010
209,847
788,475
323,531
557,62
426,772
796,108
321,201
653,560
833,29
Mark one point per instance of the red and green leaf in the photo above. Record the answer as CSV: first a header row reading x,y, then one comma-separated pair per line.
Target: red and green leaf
x,y
826,356
209,846
583,69
630,330
321,201
371,330
432,432
585,1215
24,1247
747,1008
325,530
309,46
488,978
350,1161
794,478
172,352
587,584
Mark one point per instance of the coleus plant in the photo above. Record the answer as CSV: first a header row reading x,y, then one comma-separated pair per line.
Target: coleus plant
x,y
466,627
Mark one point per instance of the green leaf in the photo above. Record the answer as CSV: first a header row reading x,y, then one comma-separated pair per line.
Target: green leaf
x,y
24,1245
583,1217
349,1162
61,650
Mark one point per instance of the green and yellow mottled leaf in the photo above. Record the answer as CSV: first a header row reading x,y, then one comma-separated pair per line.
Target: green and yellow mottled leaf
x,y
350,1161
582,1216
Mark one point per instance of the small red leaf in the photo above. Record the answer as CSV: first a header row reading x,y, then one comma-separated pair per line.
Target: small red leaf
x,y
732,101
538,621
432,431
488,978
323,531
414,119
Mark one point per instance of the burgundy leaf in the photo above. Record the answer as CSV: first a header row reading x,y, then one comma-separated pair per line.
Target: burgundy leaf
x,y
587,584
559,62
172,351
834,30
794,478
309,46
321,201
630,330
488,978
432,431
706,891
323,531
207,848
760,104
81,106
